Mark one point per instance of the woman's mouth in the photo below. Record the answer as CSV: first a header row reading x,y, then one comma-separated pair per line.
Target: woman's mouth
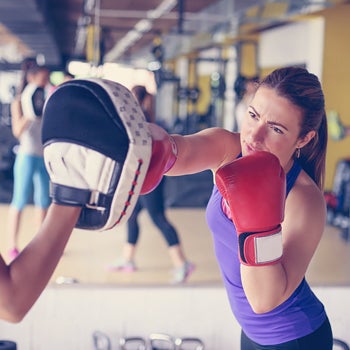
x,y
250,148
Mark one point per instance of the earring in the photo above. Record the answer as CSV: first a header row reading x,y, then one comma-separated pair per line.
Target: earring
x,y
297,153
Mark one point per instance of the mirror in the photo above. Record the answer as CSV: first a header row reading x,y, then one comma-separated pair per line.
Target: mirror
x,y
89,254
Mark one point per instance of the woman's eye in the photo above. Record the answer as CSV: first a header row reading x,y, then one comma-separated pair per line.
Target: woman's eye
x,y
252,115
277,130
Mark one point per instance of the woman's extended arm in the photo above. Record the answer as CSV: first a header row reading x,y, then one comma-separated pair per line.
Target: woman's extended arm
x,y
18,122
207,149
22,282
183,155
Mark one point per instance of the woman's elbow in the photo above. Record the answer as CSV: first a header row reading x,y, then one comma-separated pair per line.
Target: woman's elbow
x,y
262,305
260,309
15,318
12,313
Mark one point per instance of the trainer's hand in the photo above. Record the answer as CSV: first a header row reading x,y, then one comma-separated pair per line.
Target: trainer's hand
x,y
254,187
76,173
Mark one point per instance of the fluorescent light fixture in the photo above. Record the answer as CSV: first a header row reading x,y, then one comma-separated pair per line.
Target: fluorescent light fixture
x,y
154,65
140,27
143,26
79,68
132,36
165,7
89,5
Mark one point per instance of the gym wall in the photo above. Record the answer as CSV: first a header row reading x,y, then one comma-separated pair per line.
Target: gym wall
x,y
336,79
328,59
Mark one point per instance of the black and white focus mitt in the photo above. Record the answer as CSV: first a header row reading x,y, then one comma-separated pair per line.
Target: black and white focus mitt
x,y
97,149
32,101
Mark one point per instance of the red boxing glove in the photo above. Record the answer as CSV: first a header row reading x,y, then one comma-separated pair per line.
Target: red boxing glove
x,y
164,153
254,188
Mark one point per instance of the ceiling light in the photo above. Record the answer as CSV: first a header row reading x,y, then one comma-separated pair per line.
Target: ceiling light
x,y
165,7
89,5
154,65
79,68
132,36
143,26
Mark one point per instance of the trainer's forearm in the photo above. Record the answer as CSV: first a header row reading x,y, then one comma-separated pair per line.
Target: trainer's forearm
x,y
27,276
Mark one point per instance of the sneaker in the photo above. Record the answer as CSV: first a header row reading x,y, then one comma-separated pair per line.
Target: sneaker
x,y
182,273
122,266
13,253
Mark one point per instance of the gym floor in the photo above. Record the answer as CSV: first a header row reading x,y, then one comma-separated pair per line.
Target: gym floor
x,y
88,254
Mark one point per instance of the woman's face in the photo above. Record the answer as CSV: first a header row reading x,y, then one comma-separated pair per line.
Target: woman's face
x,y
41,78
272,124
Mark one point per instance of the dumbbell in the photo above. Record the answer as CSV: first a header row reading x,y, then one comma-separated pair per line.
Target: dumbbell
x,y
7,345
189,344
133,343
161,341
101,341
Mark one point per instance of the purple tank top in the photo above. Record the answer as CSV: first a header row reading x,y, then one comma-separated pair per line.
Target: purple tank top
x,y
299,315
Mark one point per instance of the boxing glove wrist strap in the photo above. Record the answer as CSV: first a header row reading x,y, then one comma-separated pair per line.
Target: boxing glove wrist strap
x,y
174,153
261,248
66,195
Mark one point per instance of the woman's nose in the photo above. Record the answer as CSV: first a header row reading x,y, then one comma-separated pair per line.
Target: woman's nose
x,y
257,133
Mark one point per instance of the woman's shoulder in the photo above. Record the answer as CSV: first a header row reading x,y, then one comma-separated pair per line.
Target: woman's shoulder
x,y
221,136
229,141
306,196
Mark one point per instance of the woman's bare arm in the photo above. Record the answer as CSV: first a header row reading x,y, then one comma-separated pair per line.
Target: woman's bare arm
x,y
18,122
207,149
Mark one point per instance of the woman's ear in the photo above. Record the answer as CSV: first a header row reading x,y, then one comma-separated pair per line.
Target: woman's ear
x,y
306,139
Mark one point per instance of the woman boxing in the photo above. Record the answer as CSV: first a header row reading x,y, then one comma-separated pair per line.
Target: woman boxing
x,y
267,211
263,258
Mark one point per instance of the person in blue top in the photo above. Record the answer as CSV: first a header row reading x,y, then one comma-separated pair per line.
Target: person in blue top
x,y
267,212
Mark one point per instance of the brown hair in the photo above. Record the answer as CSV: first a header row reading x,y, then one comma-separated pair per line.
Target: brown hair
x,y
140,92
28,66
304,90
145,100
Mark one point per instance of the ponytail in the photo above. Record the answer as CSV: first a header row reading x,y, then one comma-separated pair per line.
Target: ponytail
x,y
313,155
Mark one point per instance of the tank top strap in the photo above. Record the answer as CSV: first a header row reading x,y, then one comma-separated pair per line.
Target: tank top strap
x,y
292,175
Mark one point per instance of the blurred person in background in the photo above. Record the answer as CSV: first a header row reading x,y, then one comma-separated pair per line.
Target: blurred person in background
x,y
154,203
29,169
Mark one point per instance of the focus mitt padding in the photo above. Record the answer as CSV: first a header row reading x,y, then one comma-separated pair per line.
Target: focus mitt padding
x,y
97,149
